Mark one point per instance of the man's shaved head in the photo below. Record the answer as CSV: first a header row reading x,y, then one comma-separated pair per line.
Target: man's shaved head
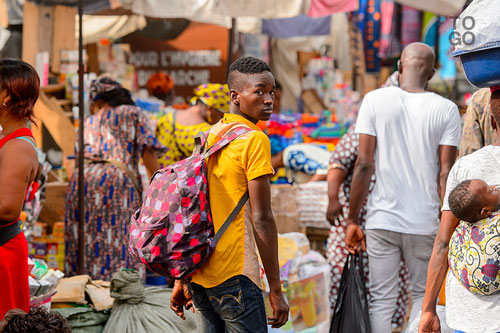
x,y
417,62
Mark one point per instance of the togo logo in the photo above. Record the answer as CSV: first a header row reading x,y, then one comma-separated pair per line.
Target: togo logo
x,y
468,37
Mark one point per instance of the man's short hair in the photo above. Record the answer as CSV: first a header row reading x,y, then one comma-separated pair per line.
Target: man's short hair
x,y
245,65
37,320
277,85
464,204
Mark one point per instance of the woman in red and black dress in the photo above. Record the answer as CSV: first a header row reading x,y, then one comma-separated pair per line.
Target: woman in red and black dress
x,y
19,88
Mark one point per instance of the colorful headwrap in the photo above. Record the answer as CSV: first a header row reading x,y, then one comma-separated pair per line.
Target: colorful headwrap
x,y
159,83
102,85
215,95
494,88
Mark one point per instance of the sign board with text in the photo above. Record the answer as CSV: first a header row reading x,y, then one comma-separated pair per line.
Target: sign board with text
x,y
197,56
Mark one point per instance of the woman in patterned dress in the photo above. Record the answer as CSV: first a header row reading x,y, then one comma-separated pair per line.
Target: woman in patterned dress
x,y
340,174
177,129
116,136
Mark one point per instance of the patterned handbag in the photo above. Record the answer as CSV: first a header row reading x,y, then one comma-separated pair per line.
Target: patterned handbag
x,y
173,233
474,255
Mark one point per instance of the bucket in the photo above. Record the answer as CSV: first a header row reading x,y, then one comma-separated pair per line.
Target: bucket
x,y
482,68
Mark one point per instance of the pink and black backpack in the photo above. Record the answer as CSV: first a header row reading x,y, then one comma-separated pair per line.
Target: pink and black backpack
x,y
173,233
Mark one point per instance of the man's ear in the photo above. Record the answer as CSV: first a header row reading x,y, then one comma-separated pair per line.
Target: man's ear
x,y
235,97
485,212
432,74
400,67
493,122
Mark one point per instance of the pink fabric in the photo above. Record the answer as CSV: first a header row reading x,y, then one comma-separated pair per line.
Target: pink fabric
x,y
327,7
411,30
387,12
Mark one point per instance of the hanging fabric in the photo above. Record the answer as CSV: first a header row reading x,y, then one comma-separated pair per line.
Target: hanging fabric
x,y
301,25
447,68
368,20
429,27
386,27
411,25
321,8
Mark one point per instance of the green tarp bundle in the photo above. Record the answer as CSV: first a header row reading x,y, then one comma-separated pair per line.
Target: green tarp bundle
x,y
84,319
143,310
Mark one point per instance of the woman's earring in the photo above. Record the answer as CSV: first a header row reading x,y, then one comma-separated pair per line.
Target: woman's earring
x,y
4,105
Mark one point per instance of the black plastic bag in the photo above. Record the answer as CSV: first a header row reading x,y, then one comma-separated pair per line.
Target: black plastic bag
x,y
351,310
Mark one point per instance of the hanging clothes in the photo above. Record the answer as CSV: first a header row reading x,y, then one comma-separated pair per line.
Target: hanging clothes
x,y
411,25
447,68
321,8
386,28
368,18
297,26
429,26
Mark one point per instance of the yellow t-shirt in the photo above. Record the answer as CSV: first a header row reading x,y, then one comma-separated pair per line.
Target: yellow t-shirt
x,y
229,171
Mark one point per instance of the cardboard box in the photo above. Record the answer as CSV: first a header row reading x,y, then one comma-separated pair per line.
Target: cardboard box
x,y
53,208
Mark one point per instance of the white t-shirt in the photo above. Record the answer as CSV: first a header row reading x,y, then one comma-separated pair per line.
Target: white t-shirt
x,y
465,311
409,128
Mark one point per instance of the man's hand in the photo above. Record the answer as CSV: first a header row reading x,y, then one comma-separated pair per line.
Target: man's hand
x,y
181,297
429,323
353,236
334,211
280,309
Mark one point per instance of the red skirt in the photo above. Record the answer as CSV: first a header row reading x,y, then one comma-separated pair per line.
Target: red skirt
x,y
14,285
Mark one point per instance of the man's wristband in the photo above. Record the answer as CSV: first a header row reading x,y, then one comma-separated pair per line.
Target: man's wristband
x,y
336,166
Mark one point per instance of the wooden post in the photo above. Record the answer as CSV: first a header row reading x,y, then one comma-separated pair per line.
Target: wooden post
x,y
230,46
81,119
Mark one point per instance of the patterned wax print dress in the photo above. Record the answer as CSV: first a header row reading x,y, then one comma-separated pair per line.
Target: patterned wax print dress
x,y
344,157
121,134
179,140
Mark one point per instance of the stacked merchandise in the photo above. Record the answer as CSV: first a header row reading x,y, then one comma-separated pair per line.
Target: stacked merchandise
x,y
297,207
43,282
305,279
322,130
312,204
290,135
322,77
334,91
283,129
48,247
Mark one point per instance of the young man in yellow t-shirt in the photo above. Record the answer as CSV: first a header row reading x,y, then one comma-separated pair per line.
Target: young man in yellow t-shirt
x,y
227,290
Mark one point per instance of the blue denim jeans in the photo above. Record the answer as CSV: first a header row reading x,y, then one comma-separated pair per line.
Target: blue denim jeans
x,y
234,306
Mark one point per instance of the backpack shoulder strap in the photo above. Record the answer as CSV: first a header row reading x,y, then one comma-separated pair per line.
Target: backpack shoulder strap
x,y
231,217
226,139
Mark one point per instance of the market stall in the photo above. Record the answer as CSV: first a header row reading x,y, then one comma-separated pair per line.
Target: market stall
x,y
324,73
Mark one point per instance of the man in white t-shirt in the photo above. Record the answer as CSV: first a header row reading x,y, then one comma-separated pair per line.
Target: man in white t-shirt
x,y
465,311
409,137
